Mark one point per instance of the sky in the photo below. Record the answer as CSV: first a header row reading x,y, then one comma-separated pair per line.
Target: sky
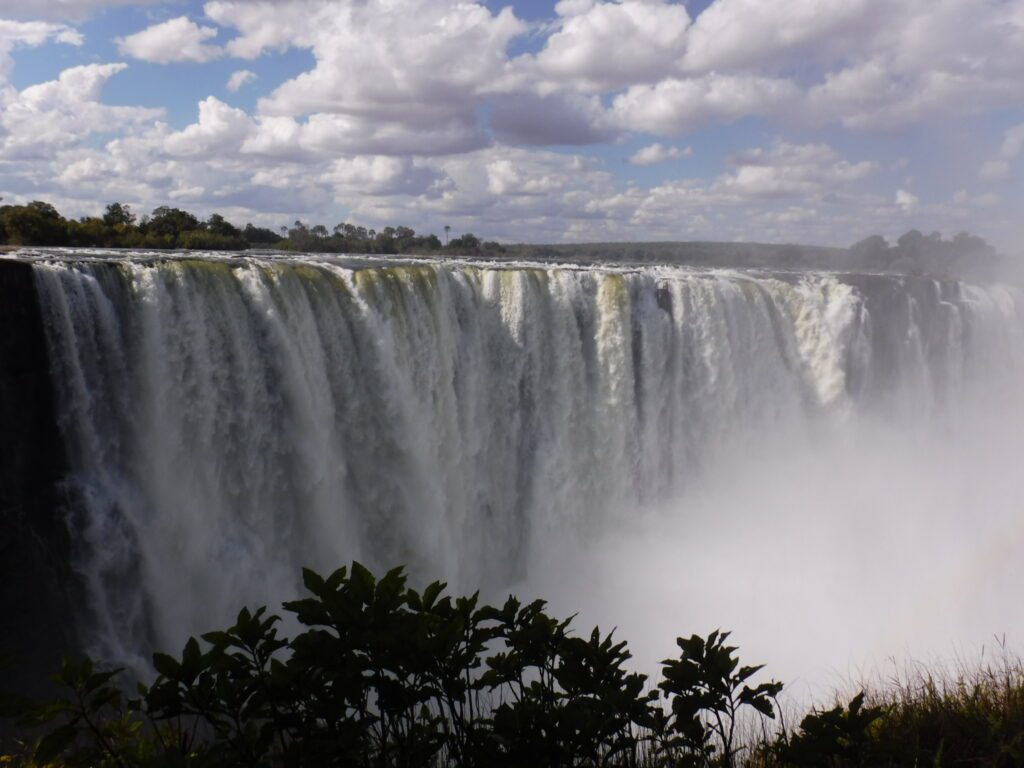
x,y
812,121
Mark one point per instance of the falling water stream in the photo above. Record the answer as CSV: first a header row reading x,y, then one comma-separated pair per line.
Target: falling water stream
x,y
230,420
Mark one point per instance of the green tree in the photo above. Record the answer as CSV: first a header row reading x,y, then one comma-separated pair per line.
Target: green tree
x,y
170,223
468,243
260,235
91,231
872,252
218,225
118,215
37,223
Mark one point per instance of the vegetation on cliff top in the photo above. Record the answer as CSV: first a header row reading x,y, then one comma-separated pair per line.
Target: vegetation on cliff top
x,y
40,224
384,675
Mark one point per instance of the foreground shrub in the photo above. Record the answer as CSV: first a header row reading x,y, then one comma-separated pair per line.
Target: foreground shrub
x,y
384,675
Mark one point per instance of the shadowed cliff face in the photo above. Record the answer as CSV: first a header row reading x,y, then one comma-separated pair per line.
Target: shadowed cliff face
x,y
228,421
35,575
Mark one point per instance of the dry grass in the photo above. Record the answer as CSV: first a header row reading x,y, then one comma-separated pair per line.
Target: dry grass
x,y
961,713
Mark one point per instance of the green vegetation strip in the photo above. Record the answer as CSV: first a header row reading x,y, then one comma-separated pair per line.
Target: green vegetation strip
x,y
40,224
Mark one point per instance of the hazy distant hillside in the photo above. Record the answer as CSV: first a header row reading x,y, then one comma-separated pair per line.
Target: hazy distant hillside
x,y
914,253
709,254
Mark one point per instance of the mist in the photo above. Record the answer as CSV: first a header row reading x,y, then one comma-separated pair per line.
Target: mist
x,y
834,557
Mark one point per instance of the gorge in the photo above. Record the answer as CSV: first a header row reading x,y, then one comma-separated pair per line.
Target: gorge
x,y
192,430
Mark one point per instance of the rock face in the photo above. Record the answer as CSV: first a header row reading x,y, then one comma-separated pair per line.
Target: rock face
x,y
36,588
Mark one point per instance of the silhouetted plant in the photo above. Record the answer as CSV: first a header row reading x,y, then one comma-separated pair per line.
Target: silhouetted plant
x,y
92,724
837,737
708,691
384,675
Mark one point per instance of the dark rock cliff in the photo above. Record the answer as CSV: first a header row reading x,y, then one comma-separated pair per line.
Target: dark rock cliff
x,y
36,600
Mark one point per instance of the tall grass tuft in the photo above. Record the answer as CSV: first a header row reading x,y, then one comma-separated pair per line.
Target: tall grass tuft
x,y
963,713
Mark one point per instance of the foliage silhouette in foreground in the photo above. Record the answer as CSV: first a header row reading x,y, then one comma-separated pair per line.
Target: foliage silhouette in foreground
x,y
381,674
384,675
708,689
836,737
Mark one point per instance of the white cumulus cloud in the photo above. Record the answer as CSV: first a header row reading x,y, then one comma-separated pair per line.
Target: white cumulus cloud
x,y
390,77
239,80
658,153
31,34
906,201
220,129
1000,168
179,39
736,34
48,117
675,106
607,45
808,171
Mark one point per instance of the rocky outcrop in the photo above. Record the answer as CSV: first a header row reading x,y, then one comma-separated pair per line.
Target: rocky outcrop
x,y
36,615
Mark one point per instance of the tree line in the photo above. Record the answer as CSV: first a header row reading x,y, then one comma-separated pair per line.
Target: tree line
x,y
917,253
40,224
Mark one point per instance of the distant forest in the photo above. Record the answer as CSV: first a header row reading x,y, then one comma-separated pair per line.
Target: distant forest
x,y
41,224
914,253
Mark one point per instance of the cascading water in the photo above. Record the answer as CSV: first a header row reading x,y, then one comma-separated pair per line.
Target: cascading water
x,y
230,420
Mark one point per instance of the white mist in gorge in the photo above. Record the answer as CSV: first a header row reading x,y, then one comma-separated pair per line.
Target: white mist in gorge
x,y
832,559
822,462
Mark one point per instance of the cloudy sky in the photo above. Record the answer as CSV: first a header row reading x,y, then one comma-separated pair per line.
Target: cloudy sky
x,y
816,121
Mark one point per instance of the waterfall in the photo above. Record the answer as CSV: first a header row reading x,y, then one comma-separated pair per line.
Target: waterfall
x,y
230,420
